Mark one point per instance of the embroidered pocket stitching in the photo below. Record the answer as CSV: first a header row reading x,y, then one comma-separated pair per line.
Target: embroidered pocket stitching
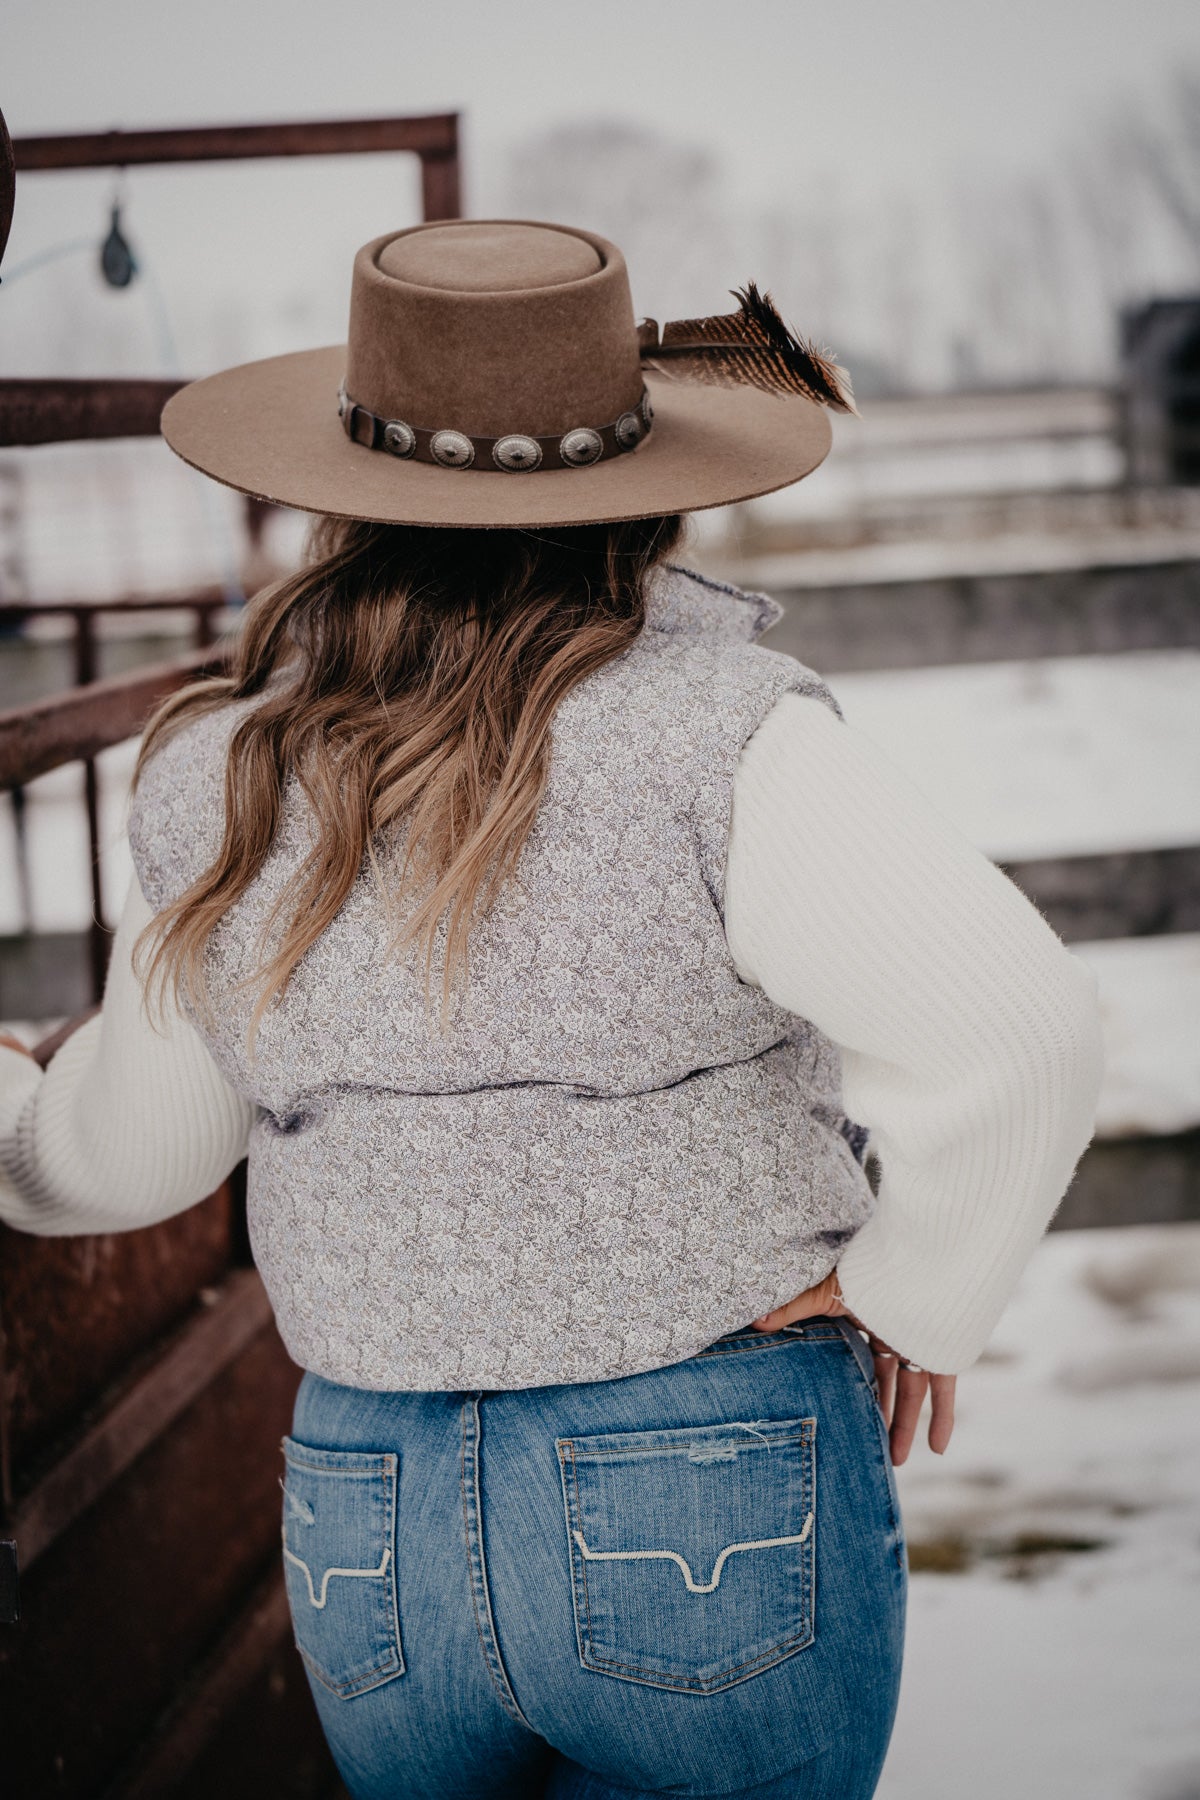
x,y
735,1673
385,1471
312,1592
693,1586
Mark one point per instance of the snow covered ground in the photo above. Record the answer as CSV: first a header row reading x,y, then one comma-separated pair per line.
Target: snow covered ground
x,y
1062,756
1054,1631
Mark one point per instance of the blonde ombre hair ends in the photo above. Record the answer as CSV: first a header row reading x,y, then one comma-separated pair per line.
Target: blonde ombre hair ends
x,y
404,674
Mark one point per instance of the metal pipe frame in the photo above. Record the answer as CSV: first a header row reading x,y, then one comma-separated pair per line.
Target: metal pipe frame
x,y
433,138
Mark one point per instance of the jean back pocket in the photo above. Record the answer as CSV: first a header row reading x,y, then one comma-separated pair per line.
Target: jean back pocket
x,y
692,1550
339,1555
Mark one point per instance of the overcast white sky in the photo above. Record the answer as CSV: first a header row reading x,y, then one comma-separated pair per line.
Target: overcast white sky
x,y
866,98
884,90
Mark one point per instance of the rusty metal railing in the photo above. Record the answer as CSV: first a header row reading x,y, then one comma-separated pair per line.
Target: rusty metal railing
x,y
75,727
432,138
54,410
175,1324
95,709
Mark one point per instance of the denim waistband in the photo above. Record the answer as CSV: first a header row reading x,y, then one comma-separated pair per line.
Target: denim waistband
x,y
745,1337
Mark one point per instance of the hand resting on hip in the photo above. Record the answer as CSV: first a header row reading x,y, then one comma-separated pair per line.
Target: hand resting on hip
x,y
902,1386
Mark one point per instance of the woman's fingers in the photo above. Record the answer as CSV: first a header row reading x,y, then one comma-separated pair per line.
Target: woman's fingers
x,y
902,1387
911,1387
910,1396
941,1423
811,1304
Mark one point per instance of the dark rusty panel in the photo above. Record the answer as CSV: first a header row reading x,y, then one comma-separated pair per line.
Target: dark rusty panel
x,y
118,1613
76,1310
68,727
163,1386
429,134
272,1744
55,409
1130,893
1135,1181
245,1724
987,618
10,1584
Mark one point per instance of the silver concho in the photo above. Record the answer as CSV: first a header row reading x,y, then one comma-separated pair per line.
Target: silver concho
x,y
452,449
628,430
399,438
343,401
647,410
580,447
516,452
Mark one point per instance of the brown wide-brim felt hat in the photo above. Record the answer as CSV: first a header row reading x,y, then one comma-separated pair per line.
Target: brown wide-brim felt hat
x,y
495,375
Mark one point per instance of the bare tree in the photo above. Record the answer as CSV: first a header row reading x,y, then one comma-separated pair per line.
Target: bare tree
x,y
990,280
659,199
1166,146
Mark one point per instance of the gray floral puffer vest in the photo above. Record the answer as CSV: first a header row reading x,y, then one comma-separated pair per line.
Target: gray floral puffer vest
x,y
621,1150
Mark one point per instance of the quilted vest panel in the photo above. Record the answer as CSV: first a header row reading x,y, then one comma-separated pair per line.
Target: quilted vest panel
x,y
620,1150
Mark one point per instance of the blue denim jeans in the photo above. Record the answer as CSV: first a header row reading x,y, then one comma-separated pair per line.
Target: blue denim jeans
x,y
689,1581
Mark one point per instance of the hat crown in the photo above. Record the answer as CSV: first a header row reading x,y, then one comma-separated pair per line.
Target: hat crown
x,y
493,326
481,256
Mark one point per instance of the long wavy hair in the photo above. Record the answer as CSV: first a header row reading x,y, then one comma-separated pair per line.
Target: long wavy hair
x,y
404,674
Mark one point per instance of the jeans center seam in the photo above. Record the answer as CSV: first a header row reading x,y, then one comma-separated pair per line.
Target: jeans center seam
x,y
476,1564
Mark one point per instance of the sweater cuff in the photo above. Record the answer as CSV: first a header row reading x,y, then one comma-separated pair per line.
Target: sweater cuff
x,y
20,1078
939,1312
20,1081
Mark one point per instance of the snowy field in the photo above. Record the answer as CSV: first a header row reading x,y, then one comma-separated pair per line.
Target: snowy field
x,y
1054,1630
1062,756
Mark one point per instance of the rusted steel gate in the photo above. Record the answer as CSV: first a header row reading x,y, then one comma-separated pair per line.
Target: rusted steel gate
x,y
143,1387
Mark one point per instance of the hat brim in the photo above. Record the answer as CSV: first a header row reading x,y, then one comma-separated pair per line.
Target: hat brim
x,y
271,429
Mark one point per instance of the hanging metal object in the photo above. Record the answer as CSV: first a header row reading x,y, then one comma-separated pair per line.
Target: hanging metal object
x,y
118,264
8,193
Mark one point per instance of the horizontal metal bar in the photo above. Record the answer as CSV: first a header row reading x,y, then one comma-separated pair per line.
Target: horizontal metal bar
x,y
55,410
1134,1181
198,600
1126,894
433,134
68,727
181,1372
927,622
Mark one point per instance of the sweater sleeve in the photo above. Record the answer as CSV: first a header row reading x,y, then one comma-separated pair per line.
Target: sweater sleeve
x,y
969,1034
130,1123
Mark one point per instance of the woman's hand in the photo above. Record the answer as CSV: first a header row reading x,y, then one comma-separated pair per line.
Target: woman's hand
x,y
902,1386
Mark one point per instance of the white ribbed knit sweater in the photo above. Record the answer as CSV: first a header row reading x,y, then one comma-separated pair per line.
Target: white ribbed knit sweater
x,y
970,1040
